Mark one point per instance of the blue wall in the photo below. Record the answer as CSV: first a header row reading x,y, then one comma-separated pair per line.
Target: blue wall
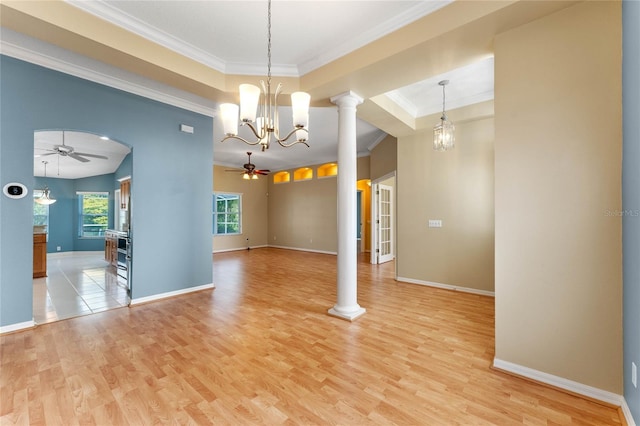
x,y
63,214
631,197
171,190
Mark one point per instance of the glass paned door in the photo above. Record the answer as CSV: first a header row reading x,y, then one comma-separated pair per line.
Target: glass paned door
x,y
385,218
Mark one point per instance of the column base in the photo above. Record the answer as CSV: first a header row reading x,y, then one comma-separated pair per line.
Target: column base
x,y
350,316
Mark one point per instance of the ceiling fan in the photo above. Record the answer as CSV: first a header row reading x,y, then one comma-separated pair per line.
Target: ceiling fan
x,y
68,151
250,171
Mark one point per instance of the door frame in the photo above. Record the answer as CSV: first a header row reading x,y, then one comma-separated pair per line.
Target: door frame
x,y
374,216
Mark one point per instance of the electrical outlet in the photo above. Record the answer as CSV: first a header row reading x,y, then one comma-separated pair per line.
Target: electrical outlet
x,y
634,374
311,240
58,248
274,238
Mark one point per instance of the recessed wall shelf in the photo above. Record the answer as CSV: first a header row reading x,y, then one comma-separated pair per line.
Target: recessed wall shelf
x,y
328,170
281,177
303,173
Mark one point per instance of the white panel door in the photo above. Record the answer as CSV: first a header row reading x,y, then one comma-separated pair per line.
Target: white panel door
x,y
385,223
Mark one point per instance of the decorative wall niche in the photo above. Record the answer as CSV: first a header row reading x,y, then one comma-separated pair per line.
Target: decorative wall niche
x,y
303,173
328,170
281,177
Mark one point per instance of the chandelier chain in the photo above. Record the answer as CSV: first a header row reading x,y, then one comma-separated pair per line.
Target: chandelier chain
x,y
443,99
269,43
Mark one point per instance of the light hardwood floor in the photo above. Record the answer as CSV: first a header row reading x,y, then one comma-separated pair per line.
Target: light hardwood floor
x,y
260,349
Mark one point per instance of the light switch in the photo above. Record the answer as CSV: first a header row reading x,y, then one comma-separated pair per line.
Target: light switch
x,y
435,223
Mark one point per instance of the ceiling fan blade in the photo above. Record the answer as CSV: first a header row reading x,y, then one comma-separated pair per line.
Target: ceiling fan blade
x,y
75,156
234,170
84,154
43,155
261,172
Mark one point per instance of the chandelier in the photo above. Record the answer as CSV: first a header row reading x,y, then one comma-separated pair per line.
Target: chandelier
x,y
45,197
444,137
259,110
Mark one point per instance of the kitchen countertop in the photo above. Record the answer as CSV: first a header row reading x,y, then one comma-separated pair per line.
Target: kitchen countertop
x,y
114,233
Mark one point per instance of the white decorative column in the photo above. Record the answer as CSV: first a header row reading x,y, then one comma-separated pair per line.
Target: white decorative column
x,y
347,306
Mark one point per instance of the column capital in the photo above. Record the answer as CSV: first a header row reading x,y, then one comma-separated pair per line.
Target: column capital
x,y
348,98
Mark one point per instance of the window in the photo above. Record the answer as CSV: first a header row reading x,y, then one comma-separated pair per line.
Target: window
x,y
40,211
93,214
227,214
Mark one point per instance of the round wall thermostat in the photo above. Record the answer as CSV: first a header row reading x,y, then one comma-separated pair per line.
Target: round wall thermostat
x,y
15,190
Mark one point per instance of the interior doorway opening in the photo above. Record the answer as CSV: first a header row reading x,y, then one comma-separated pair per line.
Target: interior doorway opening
x,y
72,271
383,219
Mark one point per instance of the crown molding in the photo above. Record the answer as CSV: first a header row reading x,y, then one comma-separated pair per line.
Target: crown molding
x,y
111,14
410,15
377,141
115,16
36,57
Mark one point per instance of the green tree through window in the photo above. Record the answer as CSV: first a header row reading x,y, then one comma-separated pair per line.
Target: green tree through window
x,y
227,214
93,213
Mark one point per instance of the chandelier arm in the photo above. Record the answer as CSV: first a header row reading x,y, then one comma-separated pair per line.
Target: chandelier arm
x,y
241,139
276,114
291,133
263,132
287,145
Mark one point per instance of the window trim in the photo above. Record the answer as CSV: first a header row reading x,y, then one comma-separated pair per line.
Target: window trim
x,y
215,213
80,230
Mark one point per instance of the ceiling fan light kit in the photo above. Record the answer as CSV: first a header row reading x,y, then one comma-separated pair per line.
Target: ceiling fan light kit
x,y
249,171
444,132
259,106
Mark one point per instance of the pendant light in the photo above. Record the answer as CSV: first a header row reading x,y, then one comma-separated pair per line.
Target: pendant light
x,y
444,137
45,198
264,112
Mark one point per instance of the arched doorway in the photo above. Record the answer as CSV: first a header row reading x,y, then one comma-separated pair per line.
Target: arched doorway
x,y
80,173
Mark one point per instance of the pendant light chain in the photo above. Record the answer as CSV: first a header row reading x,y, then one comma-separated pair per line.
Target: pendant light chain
x,y
443,99
269,43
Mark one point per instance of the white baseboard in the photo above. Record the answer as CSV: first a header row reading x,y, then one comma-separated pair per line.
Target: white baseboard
x,y
239,249
161,296
447,286
305,249
17,327
566,384
627,413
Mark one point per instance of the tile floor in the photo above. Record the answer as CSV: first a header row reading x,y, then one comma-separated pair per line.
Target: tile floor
x,y
77,284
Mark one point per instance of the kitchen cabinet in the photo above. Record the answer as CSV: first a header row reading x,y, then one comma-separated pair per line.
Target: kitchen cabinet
x,y
39,255
111,249
125,194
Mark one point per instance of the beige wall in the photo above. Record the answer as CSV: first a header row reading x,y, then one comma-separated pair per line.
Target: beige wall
x,y
457,188
302,214
254,209
558,171
363,167
383,158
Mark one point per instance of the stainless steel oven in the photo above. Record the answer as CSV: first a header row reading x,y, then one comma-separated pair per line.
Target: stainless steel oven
x,y
123,258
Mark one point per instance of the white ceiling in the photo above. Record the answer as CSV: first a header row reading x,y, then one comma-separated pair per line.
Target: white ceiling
x,y
65,167
231,36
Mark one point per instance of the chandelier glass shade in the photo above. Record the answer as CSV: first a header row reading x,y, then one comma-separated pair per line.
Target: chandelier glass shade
x,y
258,110
444,137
